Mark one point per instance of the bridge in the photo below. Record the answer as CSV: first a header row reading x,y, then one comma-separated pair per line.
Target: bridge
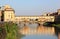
x,y
34,19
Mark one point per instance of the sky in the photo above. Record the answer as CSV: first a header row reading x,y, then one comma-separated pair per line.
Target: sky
x,y
32,7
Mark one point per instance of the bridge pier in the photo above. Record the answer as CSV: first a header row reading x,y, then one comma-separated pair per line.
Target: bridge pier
x,y
41,23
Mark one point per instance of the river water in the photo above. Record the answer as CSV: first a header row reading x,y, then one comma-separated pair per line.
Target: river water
x,y
33,31
40,36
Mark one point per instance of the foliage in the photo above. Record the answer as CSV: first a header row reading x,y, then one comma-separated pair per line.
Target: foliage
x,y
47,24
11,30
57,25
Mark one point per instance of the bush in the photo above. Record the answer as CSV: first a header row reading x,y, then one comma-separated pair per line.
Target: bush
x,y
9,30
48,23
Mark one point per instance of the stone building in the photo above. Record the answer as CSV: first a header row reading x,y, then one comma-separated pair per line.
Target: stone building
x,y
8,14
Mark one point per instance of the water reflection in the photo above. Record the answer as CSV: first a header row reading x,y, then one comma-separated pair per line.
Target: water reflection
x,y
40,30
57,31
34,31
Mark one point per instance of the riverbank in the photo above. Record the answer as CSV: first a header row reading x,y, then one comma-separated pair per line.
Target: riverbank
x,y
56,25
52,24
9,30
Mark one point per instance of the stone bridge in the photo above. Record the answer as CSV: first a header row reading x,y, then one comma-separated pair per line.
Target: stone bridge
x,y
35,19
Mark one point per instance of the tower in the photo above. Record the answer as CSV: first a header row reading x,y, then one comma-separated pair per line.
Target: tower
x,y
58,11
9,14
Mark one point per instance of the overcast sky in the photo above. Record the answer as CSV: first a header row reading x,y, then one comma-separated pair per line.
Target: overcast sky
x,y
32,7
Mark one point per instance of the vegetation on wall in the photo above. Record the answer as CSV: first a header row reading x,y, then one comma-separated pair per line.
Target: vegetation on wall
x,y
49,23
55,24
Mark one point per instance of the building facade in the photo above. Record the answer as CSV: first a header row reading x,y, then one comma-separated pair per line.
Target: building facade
x,y
8,14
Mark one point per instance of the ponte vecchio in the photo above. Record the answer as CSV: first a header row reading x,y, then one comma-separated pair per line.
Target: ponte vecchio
x,y
7,14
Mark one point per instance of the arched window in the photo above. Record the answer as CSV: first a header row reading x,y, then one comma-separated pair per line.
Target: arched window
x,y
36,19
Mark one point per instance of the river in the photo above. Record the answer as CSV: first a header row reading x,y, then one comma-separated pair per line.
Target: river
x,y
33,31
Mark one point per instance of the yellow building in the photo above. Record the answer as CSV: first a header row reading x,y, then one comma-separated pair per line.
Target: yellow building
x,y
8,14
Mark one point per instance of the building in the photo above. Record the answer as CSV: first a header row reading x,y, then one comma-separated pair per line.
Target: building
x,y
8,14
